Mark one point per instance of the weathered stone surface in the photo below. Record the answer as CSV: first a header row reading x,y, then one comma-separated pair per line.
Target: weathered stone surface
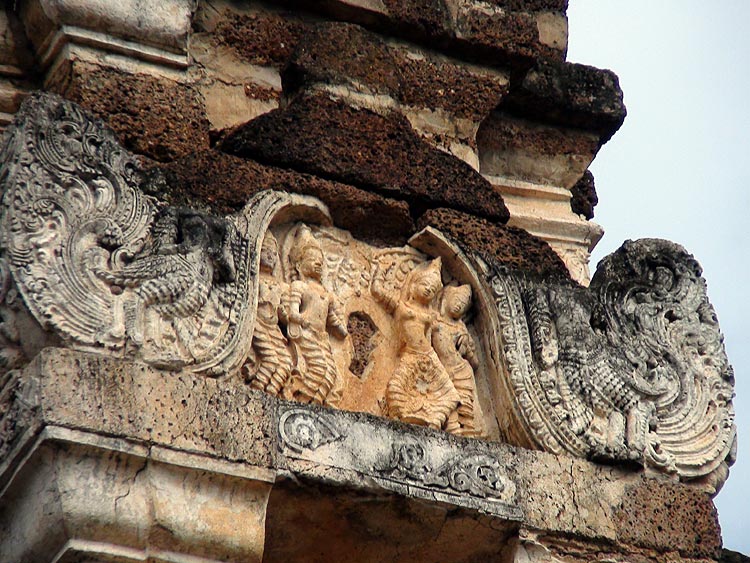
x,y
155,117
490,32
338,53
532,5
460,90
511,36
223,184
142,438
729,556
584,197
654,515
334,54
222,418
570,95
327,138
522,149
505,246
88,497
259,38
603,373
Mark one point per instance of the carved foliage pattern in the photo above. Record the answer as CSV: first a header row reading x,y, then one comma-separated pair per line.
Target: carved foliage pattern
x,y
633,369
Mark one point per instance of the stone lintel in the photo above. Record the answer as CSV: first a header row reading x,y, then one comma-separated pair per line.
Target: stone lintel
x,y
114,459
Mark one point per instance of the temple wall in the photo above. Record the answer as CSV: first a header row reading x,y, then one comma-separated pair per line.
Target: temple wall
x,y
451,134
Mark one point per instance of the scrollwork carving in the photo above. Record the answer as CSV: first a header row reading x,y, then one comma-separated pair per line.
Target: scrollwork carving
x,y
474,473
301,429
632,369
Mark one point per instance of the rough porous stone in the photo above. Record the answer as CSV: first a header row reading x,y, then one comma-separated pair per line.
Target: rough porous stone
x,y
571,95
584,197
340,53
532,5
424,17
328,138
503,245
346,54
224,183
260,38
460,90
492,34
154,117
119,398
729,556
657,514
513,37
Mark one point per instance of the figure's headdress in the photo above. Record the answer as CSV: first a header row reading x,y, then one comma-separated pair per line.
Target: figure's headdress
x,y
458,291
303,241
268,241
431,268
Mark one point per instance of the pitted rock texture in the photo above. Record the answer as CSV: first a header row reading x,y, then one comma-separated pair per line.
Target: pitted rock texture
x,y
729,556
346,54
502,245
502,32
426,17
111,396
260,38
571,95
328,138
532,5
224,183
339,53
502,132
584,197
439,84
657,514
151,116
497,33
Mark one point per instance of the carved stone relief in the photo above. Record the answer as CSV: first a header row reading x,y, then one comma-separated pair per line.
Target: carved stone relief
x,y
394,458
421,366
632,369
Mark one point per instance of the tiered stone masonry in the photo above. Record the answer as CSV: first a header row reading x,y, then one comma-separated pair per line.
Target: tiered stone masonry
x,y
308,281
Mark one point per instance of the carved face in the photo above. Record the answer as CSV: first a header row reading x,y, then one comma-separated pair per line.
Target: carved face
x,y
311,263
269,253
427,286
457,301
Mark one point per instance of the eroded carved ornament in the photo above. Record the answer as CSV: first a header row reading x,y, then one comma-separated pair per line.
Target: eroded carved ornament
x,y
631,369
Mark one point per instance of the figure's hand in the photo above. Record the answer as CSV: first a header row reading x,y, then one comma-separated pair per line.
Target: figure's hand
x,y
299,320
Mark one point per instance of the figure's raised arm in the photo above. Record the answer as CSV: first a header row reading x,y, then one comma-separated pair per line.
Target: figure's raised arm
x,y
389,299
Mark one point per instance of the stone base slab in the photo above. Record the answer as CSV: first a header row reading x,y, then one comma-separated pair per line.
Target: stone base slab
x,y
108,460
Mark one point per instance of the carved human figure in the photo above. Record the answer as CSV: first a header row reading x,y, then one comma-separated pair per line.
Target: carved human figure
x,y
420,391
455,348
273,359
313,312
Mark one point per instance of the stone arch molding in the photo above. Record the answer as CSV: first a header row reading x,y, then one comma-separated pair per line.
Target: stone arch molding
x,y
632,369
